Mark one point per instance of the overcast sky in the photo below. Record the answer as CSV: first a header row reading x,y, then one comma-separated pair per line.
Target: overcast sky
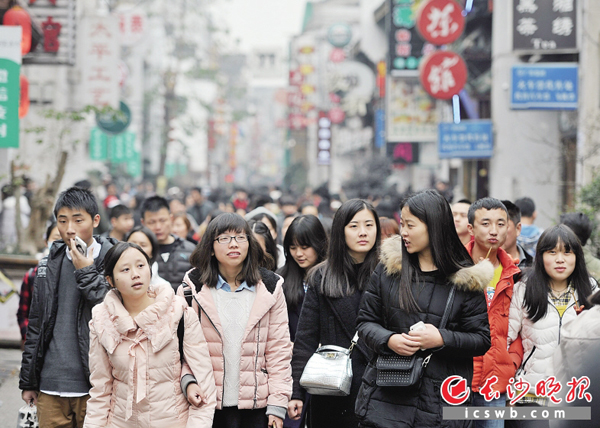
x,y
260,23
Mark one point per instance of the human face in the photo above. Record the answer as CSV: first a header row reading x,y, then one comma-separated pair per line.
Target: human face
x,y
131,275
460,213
559,265
268,224
232,255
489,228
179,228
512,233
76,222
361,235
160,223
123,223
54,236
414,232
142,240
306,257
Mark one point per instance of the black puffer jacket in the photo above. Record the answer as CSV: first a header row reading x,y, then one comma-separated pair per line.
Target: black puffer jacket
x,y
177,264
328,321
44,306
467,334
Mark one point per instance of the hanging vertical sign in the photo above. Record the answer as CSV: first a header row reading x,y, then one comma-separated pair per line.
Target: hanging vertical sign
x,y
10,69
100,52
324,139
406,46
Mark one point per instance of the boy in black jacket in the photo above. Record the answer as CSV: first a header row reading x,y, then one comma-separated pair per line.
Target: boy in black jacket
x,y
55,367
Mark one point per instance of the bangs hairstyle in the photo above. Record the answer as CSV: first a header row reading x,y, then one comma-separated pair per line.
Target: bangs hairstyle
x,y
151,237
538,281
447,251
203,257
305,231
114,254
339,267
77,198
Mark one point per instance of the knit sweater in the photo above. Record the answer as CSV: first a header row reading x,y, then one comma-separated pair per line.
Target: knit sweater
x,y
234,310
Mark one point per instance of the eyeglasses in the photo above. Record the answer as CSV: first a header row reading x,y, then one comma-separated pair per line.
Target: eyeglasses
x,y
227,239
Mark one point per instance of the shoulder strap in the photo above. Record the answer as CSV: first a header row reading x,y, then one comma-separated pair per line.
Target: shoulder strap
x,y
448,307
187,292
180,334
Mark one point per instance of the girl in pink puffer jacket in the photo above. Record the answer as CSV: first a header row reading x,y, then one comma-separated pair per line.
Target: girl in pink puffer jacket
x,y
243,315
134,351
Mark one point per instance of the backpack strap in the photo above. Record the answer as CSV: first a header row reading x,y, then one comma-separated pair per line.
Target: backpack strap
x,y
187,292
180,335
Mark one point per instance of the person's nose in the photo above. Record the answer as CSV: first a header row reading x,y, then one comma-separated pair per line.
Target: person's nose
x,y
362,231
493,230
233,243
70,229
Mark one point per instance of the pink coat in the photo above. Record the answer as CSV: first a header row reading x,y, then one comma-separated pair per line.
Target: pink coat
x,y
135,365
265,367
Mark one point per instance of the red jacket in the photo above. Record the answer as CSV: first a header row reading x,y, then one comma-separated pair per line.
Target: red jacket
x,y
497,361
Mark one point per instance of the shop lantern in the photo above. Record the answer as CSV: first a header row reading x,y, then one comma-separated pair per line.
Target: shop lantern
x,y
24,96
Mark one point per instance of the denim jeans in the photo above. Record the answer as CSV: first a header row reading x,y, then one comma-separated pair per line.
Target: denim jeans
x,y
479,401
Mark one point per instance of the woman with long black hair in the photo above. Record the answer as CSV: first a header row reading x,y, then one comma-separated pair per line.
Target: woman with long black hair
x,y
412,284
330,308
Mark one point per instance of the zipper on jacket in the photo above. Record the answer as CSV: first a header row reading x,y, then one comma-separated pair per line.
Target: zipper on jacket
x,y
200,308
560,317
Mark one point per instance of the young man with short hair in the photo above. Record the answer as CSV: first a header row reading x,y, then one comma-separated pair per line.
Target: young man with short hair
x,y
55,367
521,257
530,233
174,253
460,212
488,221
121,222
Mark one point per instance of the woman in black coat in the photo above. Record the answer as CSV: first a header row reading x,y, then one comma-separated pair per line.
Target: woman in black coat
x,y
330,308
412,284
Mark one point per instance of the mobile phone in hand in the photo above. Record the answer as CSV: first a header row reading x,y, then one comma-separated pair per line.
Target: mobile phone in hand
x,y
418,326
80,246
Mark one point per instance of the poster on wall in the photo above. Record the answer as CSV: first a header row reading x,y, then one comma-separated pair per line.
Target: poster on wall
x,y
412,114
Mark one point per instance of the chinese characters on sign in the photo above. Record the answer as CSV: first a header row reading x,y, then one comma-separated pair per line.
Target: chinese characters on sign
x,y
440,21
545,86
10,67
411,113
545,25
406,46
100,52
132,26
58,24
469,139
443,74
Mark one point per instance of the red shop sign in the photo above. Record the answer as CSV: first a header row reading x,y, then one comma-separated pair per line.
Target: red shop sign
x,y
440,21
443,74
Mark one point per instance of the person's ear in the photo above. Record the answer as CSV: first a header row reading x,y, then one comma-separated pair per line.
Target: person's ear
x,y
113,221
518,229
110,282
470,229
96,220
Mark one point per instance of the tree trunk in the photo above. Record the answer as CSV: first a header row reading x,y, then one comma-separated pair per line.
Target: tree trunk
x,y
42,204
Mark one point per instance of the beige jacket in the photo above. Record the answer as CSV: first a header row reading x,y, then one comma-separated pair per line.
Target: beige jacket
x,y
265,370
135,365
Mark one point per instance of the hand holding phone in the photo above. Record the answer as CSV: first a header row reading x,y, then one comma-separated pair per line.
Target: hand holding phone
x,y
418,326
80,246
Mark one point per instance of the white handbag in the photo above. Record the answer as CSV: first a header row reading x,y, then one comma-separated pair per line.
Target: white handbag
x,y
28,417
329,370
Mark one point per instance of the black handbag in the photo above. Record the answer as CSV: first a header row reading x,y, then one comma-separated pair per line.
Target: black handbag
x,y
407,370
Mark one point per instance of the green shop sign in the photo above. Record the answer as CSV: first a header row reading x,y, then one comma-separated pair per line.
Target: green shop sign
x,y
10,70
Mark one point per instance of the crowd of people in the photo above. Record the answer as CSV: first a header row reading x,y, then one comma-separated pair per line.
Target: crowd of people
x,y
205,313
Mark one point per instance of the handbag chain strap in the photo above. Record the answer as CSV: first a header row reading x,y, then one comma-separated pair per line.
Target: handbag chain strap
x,y
354,340
444,318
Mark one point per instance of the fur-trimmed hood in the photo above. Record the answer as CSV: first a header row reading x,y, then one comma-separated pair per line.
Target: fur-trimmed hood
x,y
474,278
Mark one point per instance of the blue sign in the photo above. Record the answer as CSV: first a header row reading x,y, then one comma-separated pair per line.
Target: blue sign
x,y
379,128
469,139
544,86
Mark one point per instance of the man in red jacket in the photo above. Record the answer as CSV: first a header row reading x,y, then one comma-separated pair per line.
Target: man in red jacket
x,y
488,222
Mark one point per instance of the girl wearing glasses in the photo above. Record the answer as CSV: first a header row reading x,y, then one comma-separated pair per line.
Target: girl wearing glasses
x,y
243,315
330,308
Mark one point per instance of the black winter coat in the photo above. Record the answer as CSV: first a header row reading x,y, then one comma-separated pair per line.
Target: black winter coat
x,y
467,334
44,306
178,263
328,321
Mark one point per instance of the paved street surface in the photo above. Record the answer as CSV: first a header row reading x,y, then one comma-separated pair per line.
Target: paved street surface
x,y
10,395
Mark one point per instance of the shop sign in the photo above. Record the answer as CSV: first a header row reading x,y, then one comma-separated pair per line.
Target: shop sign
x,y
411,112
545,26
443,74
323,139
10,69
550,86
440,21
469,139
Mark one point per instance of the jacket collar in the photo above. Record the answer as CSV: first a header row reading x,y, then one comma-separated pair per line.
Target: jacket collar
x,y
473,278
